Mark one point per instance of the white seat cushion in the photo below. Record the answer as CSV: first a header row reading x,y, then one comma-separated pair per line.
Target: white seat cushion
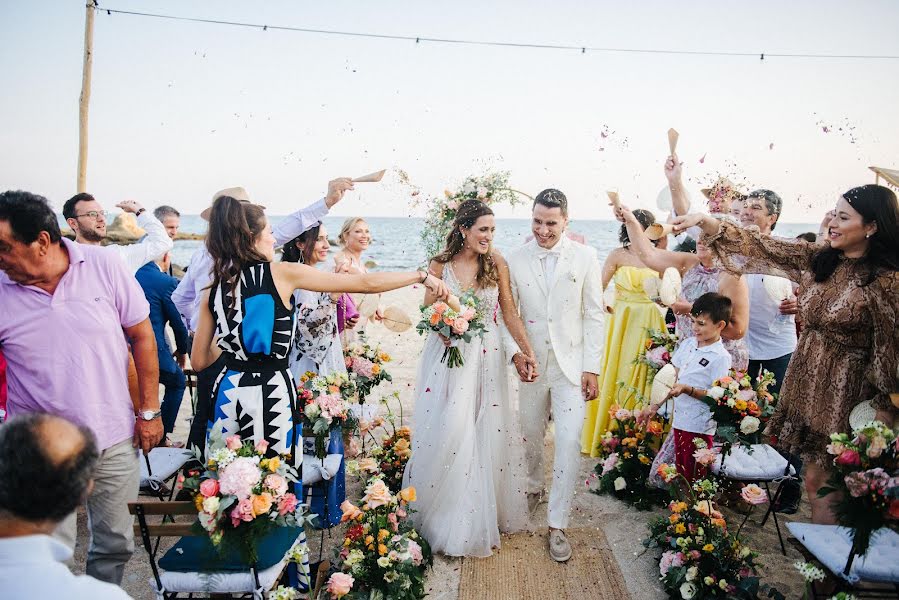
x,y
764,463
317,469
229,582
831,544
164,462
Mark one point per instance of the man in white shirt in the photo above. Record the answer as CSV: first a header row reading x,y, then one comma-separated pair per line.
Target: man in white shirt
x,y
770,337
46,464
87,219
189,292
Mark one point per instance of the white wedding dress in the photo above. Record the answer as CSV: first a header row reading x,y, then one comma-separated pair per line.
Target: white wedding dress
x,y
467,462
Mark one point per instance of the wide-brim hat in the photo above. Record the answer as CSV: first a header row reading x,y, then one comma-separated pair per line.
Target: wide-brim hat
x,y
726,188
238,193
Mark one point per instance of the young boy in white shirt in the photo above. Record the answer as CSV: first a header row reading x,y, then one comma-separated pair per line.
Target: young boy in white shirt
x,y
699,361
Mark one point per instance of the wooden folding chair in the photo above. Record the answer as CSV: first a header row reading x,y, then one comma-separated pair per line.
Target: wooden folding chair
x,y
168,584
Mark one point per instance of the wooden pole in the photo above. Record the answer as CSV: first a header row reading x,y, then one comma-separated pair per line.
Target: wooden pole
x,y
85,99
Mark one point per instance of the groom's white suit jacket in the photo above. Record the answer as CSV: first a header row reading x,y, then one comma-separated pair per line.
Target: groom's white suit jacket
x,y
564,315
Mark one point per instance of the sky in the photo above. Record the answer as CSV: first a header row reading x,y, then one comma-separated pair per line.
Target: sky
x,y
180,110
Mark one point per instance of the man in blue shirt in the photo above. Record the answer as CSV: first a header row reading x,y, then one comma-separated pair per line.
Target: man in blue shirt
x,y
158,288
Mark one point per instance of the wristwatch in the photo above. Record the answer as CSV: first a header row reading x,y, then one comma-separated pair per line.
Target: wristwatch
x,y
149,415
139,212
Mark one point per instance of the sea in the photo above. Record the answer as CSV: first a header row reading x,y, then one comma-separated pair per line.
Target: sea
x,y
396,242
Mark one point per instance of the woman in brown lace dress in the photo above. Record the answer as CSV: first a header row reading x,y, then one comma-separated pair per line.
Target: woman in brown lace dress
x,y
848,348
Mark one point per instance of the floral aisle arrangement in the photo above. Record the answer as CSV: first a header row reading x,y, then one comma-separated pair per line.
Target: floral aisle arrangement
x,y
740,409
626,453
865,477
658,349
491,188
382,555
324,405
459,326
385,446
365,366
243,494
701,559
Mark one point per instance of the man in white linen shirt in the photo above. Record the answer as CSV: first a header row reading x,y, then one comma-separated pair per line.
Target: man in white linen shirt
x,y
46,464
189,292
87,219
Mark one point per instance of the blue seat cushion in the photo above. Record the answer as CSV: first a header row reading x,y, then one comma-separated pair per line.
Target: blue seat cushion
x,y
197,554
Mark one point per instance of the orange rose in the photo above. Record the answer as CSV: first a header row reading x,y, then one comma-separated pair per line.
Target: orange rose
x,y
382,549
261,503
408,494
449,321
350,511
440,308
401,447
654,427
377,494
375,369
435,319
405,431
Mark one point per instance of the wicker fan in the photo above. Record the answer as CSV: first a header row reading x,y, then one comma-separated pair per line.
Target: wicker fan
x,y
366,304
396,320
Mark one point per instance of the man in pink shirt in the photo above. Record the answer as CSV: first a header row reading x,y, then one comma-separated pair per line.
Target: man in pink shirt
x,y
67,309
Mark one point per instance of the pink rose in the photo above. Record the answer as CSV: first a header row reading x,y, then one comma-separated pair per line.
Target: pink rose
x,y
340,584
460,326
415,552
261,446
401,513
848,458
276,483
287,504
622,414
609,463
753,494
209,487
233,442
353,448
469,314
348,361
705,456
243,511
393,521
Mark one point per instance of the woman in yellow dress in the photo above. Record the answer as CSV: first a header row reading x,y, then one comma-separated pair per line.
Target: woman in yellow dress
x,y
632,314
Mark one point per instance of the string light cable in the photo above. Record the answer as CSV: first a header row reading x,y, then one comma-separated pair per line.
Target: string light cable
x,y
437,40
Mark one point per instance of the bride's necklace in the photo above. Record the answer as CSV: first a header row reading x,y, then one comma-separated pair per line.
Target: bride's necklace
x,y
465,286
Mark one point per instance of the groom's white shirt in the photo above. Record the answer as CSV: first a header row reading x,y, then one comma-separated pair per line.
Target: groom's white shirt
x,y
564,315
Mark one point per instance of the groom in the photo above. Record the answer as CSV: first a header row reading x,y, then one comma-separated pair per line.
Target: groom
x,y
557,287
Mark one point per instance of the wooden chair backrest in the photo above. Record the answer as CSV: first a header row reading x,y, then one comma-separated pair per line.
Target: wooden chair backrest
x,y
164,508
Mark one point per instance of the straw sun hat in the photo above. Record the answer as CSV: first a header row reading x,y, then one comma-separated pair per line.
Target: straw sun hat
x,y
238,193
723,189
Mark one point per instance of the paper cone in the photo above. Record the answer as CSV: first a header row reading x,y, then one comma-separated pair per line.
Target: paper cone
x,y
671,286
662,383
371,177
657,231
672,140
396,320
453,303
613,196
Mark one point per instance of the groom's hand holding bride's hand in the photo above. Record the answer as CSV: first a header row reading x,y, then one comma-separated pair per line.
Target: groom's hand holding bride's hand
x,y
526,366
589,386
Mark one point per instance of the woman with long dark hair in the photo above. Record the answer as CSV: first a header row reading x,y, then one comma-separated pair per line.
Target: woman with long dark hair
x,y
467,455
849,346
248,315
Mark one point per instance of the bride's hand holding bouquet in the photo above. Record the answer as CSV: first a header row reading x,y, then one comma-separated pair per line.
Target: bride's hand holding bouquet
x,y
453,325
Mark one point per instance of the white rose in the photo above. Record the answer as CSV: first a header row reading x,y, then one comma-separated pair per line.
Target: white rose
x,y
692,573
468,187
749,424
715,392
383,562
731,402
687,591
211,504
482,192
620,484
312,411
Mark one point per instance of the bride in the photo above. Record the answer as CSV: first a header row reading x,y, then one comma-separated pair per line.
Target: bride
x,y
467,462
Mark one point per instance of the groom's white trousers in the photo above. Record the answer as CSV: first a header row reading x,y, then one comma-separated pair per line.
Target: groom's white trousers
x,y
553,391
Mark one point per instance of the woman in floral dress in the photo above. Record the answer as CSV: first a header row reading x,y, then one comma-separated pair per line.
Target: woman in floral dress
x,y
849,346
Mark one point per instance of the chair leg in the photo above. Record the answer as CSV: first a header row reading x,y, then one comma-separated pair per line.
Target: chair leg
x,y
780,538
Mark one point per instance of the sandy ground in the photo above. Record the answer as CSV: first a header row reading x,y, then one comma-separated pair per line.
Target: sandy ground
x,y
624,528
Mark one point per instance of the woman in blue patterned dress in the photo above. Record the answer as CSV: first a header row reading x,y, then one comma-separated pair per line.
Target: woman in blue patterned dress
x,y
248,315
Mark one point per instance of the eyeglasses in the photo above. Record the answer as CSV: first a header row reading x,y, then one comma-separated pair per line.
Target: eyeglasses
x,y
93,214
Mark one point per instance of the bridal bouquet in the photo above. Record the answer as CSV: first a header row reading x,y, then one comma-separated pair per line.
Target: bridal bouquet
x,y
365,365
866,478
626,453
740,409
324,405
382,555
701,559
658,349
243,494
458,326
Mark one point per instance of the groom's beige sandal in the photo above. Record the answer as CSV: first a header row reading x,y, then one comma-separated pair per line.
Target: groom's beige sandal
x,y
559,548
